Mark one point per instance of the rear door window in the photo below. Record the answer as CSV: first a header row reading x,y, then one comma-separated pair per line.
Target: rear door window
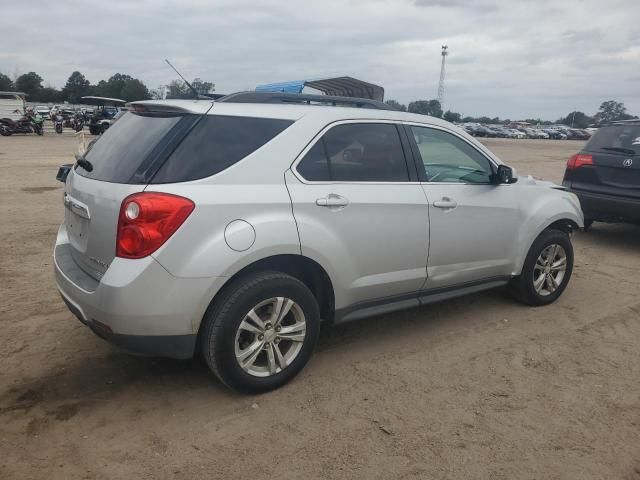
x,y
357,152
623,139
119,153
216,143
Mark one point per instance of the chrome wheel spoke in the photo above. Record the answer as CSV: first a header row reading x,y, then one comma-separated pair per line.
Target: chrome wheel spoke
x,y
249,327
248,356
551,287
537,284
255,318
282,362
271,359
295,332
281,307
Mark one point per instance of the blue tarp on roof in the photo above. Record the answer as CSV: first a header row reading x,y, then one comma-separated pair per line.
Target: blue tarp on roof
x,y
295,86
339,86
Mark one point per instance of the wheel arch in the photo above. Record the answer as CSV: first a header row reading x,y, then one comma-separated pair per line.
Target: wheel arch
x,y
308,271
562,222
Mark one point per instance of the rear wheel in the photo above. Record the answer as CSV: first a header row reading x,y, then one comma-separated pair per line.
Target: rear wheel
x,y
546,271
261,331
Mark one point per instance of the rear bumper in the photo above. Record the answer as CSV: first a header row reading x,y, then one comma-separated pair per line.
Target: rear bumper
x,y
137,305
170,346
608,207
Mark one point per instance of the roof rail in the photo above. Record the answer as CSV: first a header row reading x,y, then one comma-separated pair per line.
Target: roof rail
x,y
302,98
629,121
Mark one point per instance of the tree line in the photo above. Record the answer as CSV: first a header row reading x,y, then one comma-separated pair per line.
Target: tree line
x,y
609,111
130,89
118,85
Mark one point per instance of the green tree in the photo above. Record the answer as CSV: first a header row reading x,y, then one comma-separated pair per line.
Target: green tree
x,y
203,87
116,84
48,94
77,86
133,90
450,116
178,89
29,83
611,111
426,107
576,120
396,105
6,85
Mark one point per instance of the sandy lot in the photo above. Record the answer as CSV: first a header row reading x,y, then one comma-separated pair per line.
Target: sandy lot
x,y
476,388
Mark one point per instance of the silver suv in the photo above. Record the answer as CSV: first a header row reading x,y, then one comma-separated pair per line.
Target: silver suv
x,y
234,228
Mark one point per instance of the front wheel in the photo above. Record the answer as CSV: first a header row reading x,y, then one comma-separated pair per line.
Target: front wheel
x,y
261,331
546,271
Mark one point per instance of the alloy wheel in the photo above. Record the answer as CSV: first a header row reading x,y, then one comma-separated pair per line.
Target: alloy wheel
x,y
270,337
549,270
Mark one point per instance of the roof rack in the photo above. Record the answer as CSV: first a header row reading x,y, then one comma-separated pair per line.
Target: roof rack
x,y
630,121
301,98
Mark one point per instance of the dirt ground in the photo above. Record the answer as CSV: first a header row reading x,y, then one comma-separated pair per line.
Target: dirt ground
x,y
475,388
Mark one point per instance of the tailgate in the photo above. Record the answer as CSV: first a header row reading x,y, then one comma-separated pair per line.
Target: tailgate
x,y
91,218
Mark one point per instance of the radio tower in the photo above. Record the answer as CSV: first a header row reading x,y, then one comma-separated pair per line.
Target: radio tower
x,y
441,84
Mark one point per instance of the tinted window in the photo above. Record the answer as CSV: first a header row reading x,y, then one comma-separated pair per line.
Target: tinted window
x,y
314,166
122,149
624,139
359,152
216,143
447,158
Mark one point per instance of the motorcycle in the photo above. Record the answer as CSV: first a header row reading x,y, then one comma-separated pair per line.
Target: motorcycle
x,y
76,122
57,122
29,123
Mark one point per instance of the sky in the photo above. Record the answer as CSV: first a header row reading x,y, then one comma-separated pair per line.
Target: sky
x,y
514,59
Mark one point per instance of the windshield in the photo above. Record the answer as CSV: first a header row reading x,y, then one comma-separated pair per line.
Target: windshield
x,y
623,139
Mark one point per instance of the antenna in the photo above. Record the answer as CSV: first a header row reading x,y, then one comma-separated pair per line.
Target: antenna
x,y
195,92
441,84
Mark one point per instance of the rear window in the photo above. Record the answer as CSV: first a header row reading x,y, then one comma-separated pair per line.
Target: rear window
x,y
216,143
623,139
122,150
137,149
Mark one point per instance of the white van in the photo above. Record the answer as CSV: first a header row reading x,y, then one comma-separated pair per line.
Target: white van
x,y
9,103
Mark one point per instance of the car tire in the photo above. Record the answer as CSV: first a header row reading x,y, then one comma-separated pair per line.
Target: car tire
x,y
540,264
252,357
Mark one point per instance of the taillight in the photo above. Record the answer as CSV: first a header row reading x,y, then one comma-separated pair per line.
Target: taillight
x,y
578,160
147,220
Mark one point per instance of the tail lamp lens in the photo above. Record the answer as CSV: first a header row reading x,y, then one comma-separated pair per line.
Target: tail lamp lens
x,y
147,220
578,160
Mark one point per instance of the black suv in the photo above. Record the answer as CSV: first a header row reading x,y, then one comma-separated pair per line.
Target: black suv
x,y
606,174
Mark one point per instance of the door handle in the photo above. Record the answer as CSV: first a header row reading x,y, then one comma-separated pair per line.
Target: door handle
x,y
332,200
446,202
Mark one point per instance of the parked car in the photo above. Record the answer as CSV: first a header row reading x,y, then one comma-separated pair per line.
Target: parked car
x,y
605,174
555,134
234,230
577,134
42,110
514,133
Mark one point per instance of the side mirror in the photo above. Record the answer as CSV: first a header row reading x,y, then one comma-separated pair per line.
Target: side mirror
x,y
505,175
63,172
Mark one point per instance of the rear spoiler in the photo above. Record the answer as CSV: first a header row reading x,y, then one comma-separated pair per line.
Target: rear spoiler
x,y
168,107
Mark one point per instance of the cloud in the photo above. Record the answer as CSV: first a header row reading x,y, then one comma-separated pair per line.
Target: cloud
x,y
512,59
